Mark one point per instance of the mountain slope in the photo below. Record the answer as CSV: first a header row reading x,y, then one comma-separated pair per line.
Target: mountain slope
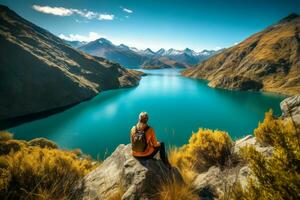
x,y
162,62
39,72
268,61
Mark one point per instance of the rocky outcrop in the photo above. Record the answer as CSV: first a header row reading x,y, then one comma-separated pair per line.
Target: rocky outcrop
x,y
130,179
127,177
39,72
291,108
268,60
217,181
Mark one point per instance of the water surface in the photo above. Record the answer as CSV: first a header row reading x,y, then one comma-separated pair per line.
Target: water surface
x,y
177,107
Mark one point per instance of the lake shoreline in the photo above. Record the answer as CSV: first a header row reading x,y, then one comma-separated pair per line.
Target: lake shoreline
x,y
16,121
99,124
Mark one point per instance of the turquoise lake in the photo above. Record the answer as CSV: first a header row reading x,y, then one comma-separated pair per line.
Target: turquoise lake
x,y
177,106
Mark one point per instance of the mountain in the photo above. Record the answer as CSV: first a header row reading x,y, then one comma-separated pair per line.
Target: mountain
x,y
160,52
119,54
39,72
187,55
184,56
268,60
132,57
149,52
162,62
75,44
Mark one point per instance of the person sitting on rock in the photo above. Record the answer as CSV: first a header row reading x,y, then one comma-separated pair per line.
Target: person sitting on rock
x,y
144,142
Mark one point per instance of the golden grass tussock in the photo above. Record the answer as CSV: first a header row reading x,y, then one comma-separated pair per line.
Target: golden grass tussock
x,y
174,189
37,170
276,175
116,194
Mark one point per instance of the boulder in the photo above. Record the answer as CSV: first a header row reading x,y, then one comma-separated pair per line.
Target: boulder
x,y
290,107
217,181
251,140
128,178
214,183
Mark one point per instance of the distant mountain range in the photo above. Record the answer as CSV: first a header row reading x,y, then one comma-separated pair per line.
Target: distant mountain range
x,y
74,44
131,57
39,72
268,60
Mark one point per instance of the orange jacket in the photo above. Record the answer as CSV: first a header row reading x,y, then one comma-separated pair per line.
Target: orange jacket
x,y
151,141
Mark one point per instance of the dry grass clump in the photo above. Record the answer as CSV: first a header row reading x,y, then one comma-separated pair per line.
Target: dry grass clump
x,y
174,189
40,171
205,148
276,176
117,194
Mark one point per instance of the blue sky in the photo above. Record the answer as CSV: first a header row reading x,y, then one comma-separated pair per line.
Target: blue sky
x,y
196,24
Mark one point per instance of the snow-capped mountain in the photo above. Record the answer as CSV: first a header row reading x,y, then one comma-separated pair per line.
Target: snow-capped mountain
x,y
75,44
160,52
132,57
149,52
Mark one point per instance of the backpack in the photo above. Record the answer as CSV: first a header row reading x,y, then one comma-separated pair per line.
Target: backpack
x,y
139,141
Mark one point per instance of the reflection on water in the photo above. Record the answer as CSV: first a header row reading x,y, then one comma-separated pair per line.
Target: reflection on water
x,y
177,107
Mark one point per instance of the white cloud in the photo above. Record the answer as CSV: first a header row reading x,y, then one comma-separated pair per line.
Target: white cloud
x,y
87,14
82,38
217,48
127,10
61,11
106,17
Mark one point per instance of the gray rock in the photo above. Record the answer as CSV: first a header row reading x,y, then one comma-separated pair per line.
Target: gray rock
x,y
290,107
214,183
251,140
122,173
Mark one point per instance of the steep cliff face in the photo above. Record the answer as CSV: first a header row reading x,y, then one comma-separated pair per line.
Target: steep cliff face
x,y
39,72
268,61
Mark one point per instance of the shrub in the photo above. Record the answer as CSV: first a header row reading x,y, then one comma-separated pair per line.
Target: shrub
x,y
4,136
276,176
267,132
205,148
10,146
43,143
33,172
